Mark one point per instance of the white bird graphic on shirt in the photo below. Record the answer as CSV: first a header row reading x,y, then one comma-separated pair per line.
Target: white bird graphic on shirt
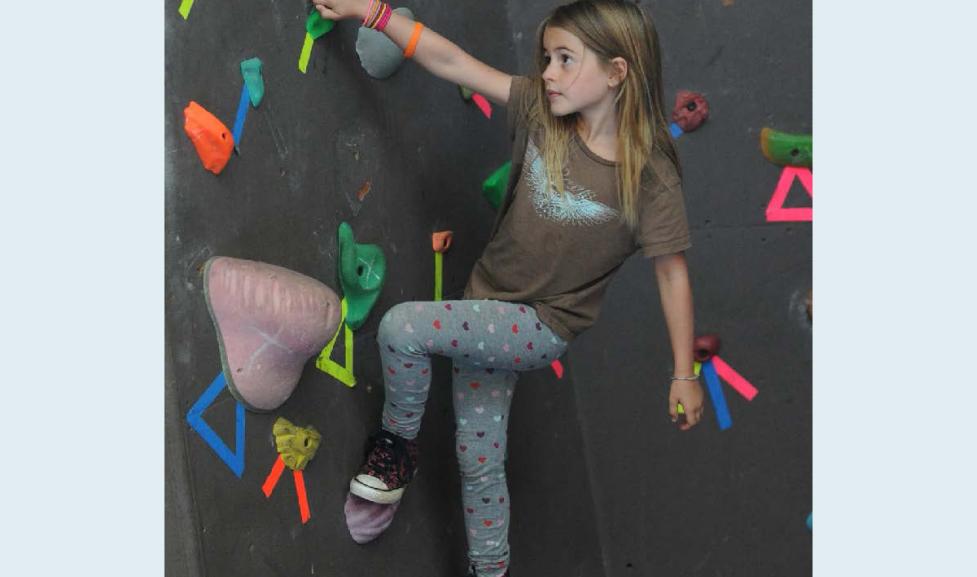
x,y
576,207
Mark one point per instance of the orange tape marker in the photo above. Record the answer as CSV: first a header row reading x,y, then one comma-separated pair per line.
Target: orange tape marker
x,y
300,491
272,480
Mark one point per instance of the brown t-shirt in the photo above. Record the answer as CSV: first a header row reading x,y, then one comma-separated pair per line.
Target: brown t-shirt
x,y
558,254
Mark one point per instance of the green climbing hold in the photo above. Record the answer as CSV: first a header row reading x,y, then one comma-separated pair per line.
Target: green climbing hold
x,y
466,93
316,25
493,189
787,149
251,70
296,445
362,269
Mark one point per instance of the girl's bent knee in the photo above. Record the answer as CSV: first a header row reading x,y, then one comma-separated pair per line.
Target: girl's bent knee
x,y
393,322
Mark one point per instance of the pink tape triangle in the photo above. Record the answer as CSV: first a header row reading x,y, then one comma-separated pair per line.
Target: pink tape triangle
x,y
776,212
734,379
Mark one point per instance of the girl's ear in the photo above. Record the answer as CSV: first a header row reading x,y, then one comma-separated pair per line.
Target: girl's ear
x,y
618,71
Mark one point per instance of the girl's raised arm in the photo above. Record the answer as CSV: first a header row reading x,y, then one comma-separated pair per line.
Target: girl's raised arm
x,y
435,53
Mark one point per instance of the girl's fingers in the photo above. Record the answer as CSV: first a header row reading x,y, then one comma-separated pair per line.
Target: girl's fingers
x,y
692,418
327,13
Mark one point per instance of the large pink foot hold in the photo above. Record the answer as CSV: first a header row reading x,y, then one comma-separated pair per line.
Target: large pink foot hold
x,y
269,321
366,519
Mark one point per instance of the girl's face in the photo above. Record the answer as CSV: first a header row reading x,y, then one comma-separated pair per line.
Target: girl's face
x,y
574,78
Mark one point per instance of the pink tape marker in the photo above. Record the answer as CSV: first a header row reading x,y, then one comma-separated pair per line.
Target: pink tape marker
x,y
734,379
775,209
482,104
557,368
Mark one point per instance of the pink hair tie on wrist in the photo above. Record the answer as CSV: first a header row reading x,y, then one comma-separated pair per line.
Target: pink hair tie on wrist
x,y
385,18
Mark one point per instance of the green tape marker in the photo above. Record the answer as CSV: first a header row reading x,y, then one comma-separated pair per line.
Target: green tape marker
x,y
185,7
306,53
324,363
438,265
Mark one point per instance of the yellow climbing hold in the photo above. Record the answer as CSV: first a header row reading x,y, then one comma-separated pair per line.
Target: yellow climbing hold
x,y
297,445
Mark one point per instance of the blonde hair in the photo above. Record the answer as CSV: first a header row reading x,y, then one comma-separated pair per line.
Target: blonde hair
x,y
610,28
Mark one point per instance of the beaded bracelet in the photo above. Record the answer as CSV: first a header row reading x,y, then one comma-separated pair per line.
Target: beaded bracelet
x,y
377,15
384,18
692,378
371,12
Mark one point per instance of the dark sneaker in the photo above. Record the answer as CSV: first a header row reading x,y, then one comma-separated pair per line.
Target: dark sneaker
x,y
389,465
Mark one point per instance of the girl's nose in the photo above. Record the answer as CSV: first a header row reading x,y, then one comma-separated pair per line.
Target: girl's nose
x,y
549,74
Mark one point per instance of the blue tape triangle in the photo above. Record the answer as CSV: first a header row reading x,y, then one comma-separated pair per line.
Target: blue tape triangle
x,y
716,394
195,417
242,113
676,130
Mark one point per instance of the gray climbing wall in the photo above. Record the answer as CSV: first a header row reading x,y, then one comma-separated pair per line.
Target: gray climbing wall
x,y
601,482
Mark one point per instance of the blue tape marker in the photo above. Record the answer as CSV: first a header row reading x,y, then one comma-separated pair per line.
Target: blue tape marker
x,y
195,417
242,112
810,521
676,130
716,393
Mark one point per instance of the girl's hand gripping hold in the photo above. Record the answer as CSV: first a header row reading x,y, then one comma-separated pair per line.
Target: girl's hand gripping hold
x,y
342,9
690,394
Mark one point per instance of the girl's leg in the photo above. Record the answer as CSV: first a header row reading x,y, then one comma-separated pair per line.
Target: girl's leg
x,y
479,333
485,336
481,399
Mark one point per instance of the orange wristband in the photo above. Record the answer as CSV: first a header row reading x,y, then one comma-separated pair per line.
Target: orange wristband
x,y
412,45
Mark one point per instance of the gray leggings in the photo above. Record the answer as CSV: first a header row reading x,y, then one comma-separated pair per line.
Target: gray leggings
x,y
489,342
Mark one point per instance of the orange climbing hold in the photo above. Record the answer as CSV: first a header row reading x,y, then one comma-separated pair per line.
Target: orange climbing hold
x,y
441,240
210,137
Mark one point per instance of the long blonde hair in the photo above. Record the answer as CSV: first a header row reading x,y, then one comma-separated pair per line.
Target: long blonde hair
x,y
610,28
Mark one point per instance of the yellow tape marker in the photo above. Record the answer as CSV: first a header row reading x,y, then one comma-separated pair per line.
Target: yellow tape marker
x,y
185,7
324,363
306,53
696,366
438,264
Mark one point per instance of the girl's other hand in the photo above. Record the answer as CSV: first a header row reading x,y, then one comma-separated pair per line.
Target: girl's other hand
x,y
689,393
341,9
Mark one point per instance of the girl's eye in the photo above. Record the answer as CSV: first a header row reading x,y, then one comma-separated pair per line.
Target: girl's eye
x,y
566,59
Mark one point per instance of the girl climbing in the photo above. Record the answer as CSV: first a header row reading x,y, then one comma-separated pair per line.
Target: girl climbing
x,y
595,178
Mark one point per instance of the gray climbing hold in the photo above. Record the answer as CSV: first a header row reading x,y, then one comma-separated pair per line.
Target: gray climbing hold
x,y
379,55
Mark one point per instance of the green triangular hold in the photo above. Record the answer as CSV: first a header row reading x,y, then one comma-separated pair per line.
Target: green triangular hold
x,y
362,270
493,189
316,25
251,70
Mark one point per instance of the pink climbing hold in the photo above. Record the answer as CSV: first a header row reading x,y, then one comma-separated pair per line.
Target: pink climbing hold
x,y
269,322
366,520
690,111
